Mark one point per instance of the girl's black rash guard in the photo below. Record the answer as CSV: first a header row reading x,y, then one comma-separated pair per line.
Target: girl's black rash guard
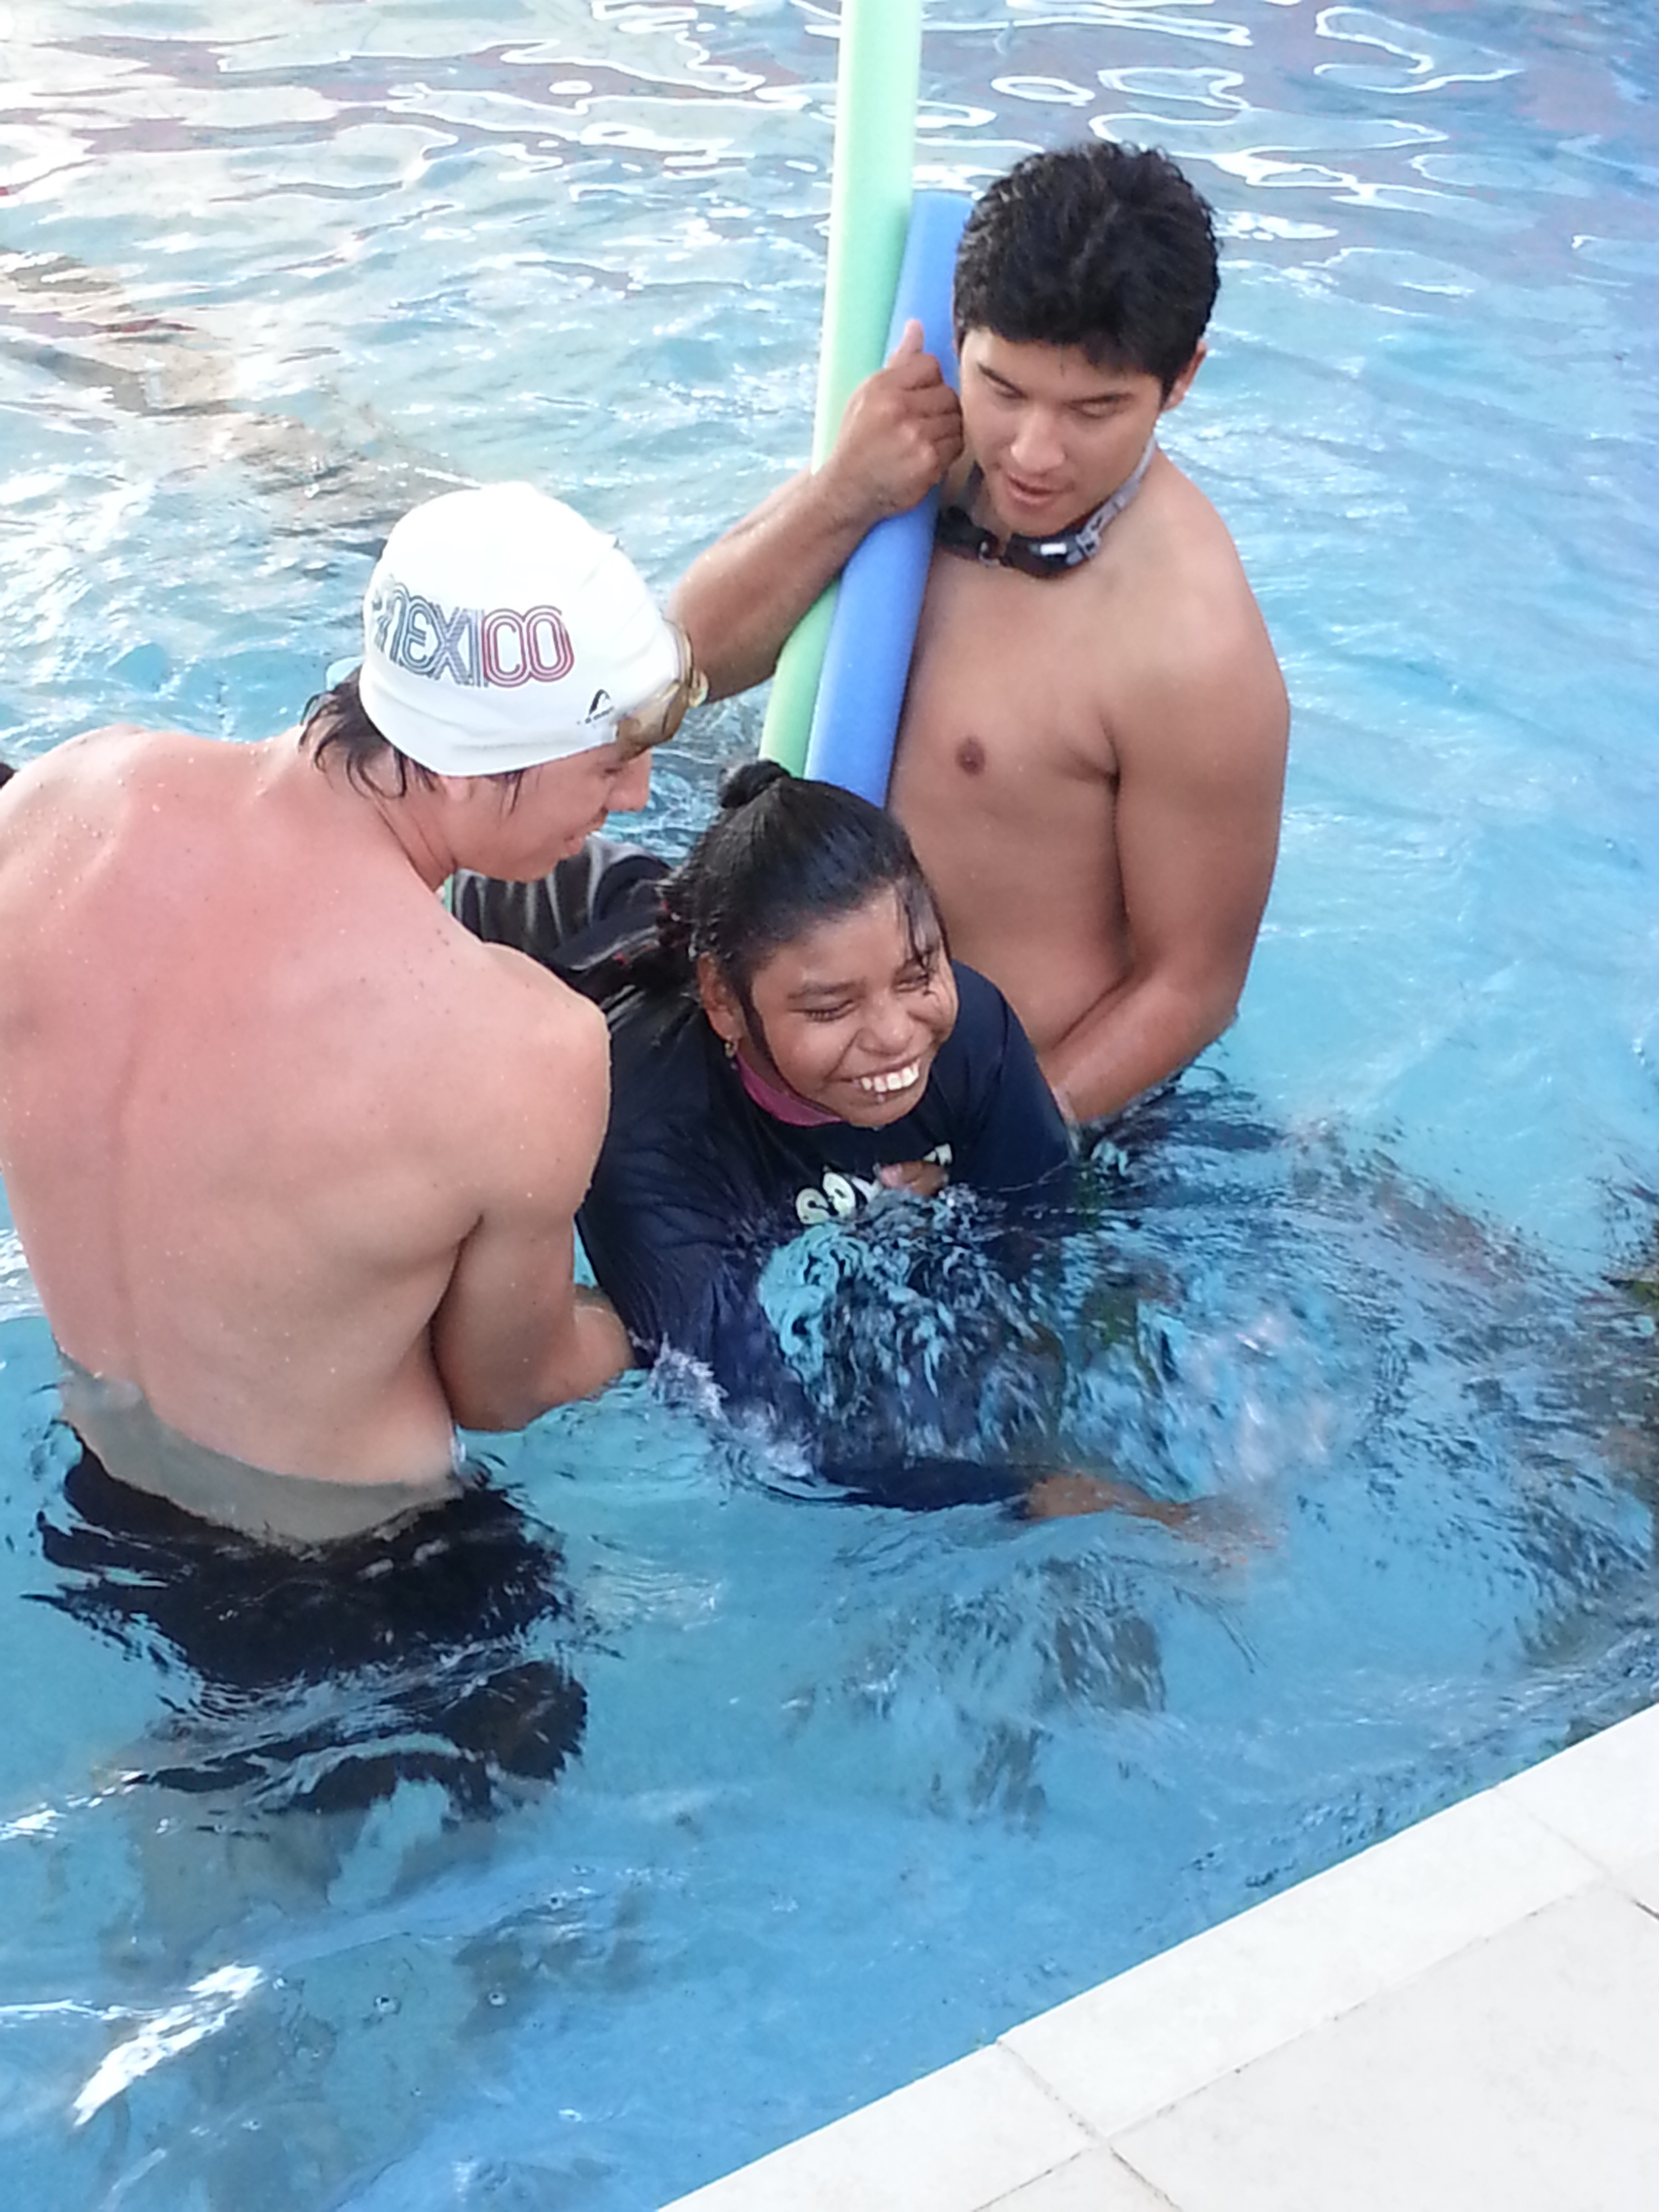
x,y
696,1184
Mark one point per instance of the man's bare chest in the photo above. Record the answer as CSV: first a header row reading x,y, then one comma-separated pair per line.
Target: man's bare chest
x,y
1013,683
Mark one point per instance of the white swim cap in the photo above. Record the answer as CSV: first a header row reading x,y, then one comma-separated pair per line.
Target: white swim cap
x,y
501,630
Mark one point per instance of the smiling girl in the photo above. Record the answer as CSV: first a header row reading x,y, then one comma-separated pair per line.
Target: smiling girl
x,y
790,1040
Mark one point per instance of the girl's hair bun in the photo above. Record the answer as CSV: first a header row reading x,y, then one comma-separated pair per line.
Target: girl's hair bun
x,y
746,781
758,876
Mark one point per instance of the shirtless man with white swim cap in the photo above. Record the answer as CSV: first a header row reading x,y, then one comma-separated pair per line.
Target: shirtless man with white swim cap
x,y
294,1158
1091,756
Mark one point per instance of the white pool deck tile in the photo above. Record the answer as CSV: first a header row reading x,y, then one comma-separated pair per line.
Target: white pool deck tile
x,y
1137,2043
1460,2017
1096,2182
967,2135
1641,1881
1518,2074
1603,1794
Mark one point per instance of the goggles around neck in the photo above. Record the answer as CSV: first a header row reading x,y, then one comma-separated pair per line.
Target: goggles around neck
x,y
955,531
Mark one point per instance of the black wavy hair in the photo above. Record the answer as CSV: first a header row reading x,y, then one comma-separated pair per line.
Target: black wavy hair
x,y
1104,246
783,853
336,720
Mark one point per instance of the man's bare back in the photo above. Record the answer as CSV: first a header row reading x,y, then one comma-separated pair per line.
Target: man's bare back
x,y
295,1159
1091,759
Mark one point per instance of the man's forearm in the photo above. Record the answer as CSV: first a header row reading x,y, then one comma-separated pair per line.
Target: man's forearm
x,y
1131,1040
738,601
592,1349
601,1349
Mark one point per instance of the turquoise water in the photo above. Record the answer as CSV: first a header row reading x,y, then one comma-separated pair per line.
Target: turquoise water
x,y
856,1790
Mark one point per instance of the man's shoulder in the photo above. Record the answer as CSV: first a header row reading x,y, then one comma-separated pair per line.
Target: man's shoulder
x,y
529,1009
1188,626
141,742
521,1074
1179,555
131,795
114,748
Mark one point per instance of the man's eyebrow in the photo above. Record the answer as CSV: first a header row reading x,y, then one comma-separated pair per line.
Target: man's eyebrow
x,y
1116,398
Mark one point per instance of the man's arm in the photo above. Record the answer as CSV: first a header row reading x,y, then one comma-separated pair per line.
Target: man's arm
x,y
514,1335
738,601
1011,1141
1202,775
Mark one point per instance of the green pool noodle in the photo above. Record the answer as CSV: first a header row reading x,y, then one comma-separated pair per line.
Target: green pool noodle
x,y
877,83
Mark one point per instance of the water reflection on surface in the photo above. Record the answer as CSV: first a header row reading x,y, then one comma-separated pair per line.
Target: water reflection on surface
x,y
857,1789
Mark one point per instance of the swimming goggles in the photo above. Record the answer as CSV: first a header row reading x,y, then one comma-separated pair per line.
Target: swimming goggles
x,y
955,531
656,720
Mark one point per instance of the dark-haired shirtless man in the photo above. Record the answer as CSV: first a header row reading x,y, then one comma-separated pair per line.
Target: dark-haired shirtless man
x,y
1091,761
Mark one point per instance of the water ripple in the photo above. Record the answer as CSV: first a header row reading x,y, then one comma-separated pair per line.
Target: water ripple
x,y
1426,59
267,275
17,1292
211,2003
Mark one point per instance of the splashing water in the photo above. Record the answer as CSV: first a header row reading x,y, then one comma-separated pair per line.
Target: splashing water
x,y
856,1788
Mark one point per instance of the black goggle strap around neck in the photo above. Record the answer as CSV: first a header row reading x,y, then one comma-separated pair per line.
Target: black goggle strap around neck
x,y
957,533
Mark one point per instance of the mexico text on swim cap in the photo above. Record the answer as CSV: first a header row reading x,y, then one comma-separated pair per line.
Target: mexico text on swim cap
x,y
468,645
502,630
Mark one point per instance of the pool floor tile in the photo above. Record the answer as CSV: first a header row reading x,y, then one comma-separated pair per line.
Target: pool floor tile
x,y
955,2140
1516,2076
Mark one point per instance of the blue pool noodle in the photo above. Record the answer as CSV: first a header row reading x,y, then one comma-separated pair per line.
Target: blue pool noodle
x,y
867,662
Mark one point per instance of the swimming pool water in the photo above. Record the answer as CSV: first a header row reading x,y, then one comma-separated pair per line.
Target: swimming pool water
x,y
856,1790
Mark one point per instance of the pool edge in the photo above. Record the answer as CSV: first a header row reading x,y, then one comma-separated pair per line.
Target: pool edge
x,y
1115,2099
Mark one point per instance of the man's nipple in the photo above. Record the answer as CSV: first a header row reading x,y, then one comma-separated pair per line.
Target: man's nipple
x,y
971,757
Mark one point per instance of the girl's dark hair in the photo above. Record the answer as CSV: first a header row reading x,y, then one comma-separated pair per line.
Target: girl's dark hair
x,y
782,855
1104,246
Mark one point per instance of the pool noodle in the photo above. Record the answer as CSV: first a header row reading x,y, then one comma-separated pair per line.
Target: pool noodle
x,y
877,78
868,659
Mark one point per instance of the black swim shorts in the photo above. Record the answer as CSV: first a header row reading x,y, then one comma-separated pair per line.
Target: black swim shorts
x,y
326,1676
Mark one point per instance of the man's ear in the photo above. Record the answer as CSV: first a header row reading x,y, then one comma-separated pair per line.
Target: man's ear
x,y
1183,383
458,790
720,1001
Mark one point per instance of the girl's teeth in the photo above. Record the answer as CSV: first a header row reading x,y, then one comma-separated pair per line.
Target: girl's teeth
x,y
901,1080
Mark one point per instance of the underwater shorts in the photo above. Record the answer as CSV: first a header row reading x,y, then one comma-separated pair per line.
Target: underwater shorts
x,y
327,1675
